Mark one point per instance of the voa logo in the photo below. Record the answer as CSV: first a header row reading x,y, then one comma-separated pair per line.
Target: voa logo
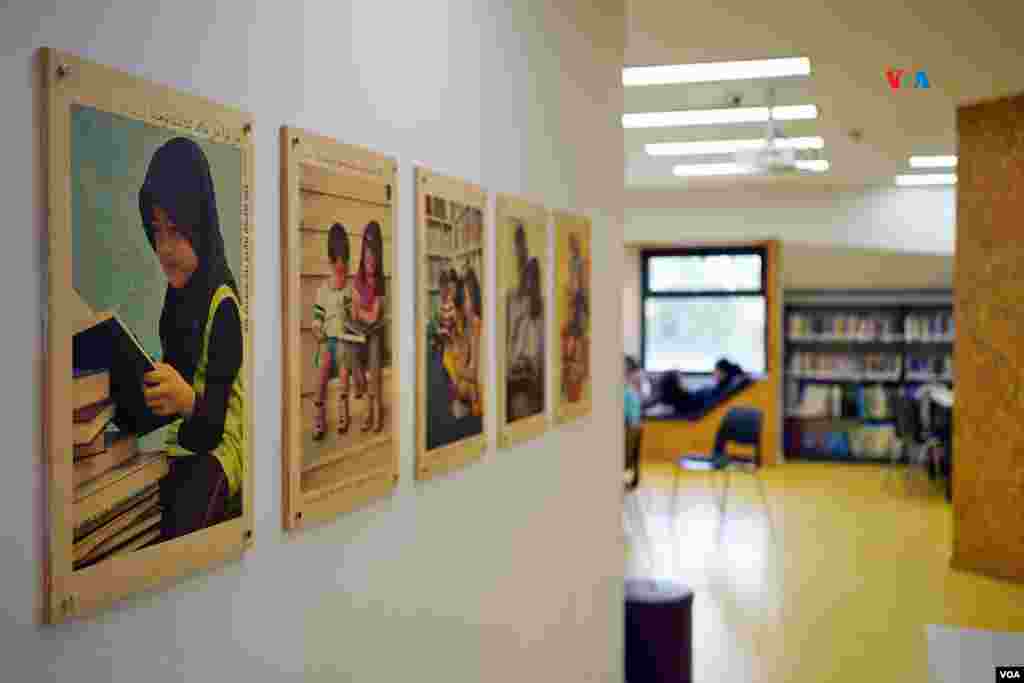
x,y
1009,675
901,78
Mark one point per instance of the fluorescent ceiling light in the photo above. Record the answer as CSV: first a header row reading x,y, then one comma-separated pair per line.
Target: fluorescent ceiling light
x,y
716,71
657,149
713,117
710,169
933,162
927,179
685,170
817,165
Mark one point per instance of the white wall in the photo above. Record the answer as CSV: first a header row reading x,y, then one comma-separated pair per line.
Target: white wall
x,y
462,579
921,220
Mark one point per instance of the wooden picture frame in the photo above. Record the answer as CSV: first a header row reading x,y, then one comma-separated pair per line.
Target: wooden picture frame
x,y
75,91
451,416
573,304
329,190
528,418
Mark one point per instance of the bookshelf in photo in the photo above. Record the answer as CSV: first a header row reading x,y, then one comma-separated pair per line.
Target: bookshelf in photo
x,y
454,241
848,354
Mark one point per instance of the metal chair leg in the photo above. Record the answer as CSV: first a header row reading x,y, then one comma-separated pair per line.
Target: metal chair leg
x,y
723,502
909,471
764,501
725,492
894,461
675,492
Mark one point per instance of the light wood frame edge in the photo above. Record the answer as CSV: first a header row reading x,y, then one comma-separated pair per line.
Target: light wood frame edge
x,y
71,594
531,427
445,459
301,510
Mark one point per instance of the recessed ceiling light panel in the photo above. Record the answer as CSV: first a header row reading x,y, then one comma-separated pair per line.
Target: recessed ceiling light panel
x,y
710,170
816,165
933,161
926,179
706,72
717,117
699,147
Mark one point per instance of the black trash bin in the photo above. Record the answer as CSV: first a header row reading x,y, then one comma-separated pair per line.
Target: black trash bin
x,y
659,632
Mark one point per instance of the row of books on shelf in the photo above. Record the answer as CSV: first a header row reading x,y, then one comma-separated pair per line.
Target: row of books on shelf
x,y
858,327
439,236
885,327
845,401
925,367
867,366
447,238
871,367
929,327
436,207
874,442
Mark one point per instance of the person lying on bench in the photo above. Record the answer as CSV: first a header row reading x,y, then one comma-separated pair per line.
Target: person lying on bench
x,y
688,402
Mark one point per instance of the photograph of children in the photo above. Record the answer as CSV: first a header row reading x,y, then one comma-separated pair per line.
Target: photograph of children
x,y
454,263
523,246
572,306
160,435
345,281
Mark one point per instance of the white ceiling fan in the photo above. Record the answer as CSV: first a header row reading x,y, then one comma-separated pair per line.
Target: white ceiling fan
x,y
769,159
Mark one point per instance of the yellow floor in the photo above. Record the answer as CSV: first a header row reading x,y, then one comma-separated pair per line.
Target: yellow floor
x,y
838,588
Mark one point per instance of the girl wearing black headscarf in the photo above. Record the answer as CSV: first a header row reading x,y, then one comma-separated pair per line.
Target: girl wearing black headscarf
x,y
199,387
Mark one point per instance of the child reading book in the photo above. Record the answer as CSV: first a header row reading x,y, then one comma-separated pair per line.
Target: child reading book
x,y
451,328
467,370
368,313
447,314
331,313
199,388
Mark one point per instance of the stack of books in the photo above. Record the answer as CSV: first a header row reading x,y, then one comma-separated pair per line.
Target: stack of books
x,y
116,488
116,508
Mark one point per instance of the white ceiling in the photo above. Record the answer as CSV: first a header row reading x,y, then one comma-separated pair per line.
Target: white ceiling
x,y
970,50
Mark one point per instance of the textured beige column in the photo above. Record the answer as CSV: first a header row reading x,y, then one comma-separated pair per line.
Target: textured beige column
x,y
988,483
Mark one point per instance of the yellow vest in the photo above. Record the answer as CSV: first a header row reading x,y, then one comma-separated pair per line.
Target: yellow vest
x,y
233,445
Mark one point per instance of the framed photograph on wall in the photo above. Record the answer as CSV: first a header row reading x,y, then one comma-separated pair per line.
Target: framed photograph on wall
x,y
522,252
338,214
570,357
451,316
148,416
